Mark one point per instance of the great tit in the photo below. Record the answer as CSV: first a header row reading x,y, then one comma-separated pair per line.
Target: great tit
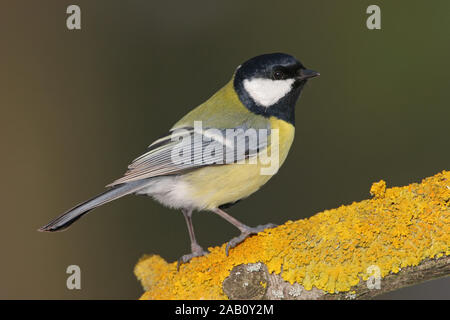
x,y
261,96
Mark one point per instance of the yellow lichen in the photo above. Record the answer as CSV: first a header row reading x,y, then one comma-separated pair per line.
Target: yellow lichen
x,y
332,250
378,189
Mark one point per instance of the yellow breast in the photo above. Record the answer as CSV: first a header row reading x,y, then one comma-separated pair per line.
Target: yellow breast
x,y
213,186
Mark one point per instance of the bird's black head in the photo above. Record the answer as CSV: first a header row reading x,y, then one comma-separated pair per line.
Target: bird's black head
x,y
270,84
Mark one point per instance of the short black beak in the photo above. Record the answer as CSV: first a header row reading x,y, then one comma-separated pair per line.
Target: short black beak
x,y
306,74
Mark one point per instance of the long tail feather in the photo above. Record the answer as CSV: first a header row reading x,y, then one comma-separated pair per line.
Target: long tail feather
x,y
66,219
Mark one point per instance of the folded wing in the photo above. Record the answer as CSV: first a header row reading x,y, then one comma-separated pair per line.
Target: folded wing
x,y
186,149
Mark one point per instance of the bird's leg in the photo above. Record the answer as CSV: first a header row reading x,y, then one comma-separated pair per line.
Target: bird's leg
x,y
246,231
196,249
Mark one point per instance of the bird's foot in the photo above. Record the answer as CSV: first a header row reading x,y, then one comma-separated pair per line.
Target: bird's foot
x,y
197,251
247,233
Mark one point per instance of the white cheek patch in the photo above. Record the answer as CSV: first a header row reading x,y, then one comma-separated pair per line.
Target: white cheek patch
x,y
266,92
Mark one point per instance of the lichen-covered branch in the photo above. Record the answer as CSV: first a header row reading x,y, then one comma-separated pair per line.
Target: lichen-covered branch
x,y
398,238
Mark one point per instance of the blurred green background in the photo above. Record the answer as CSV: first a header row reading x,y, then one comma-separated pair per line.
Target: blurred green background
x,y
78,106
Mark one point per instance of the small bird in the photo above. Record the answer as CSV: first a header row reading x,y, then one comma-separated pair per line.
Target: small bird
x,y
201,167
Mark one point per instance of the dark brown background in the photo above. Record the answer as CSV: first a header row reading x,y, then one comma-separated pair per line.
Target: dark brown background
x,y
78,106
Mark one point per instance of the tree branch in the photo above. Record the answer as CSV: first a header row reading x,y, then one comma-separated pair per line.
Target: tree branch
x,y
398,238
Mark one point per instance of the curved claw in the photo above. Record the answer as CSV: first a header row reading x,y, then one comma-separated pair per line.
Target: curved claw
x,y
245,234
187,257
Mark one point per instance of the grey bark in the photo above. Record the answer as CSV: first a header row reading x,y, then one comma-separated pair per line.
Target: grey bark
x,y
253,281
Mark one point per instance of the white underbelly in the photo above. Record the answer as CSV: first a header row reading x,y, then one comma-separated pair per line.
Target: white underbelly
x,y
170,191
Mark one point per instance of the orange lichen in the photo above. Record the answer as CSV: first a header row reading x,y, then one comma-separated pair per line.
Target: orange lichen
x,y
332,250
378,189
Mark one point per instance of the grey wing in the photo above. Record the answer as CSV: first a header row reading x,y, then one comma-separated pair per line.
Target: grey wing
x,y
187,149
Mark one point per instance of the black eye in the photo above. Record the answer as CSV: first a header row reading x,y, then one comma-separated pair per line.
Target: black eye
x,y
278,75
